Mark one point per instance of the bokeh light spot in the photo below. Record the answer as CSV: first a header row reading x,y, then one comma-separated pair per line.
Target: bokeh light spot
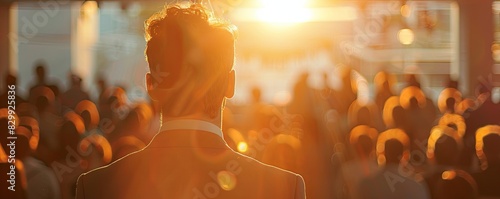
x,y
242,147
226,180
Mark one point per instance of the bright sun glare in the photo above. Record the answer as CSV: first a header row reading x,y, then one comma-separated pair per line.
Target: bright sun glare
x,y
284,11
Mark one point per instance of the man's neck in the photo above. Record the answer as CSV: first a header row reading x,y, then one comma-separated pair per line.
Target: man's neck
x,y
217,120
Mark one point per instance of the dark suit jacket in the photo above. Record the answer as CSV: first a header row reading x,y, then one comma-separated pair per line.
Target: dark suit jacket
x,y
192,165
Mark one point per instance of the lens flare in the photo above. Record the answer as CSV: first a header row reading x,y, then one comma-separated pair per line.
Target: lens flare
x,y
226,180
242,147
284,11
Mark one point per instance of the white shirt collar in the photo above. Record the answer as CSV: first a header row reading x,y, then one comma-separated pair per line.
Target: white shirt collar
x,y
190,124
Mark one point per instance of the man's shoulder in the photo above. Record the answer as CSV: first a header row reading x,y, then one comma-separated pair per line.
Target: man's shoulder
x,y
263,167
122,165
138,169
265,173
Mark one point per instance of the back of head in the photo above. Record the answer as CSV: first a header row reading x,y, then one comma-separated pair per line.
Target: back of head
x,y
393,151
190,56
492,148
412,80
487,145
446,151
97,151
256,94
23,135
40,71
455,184
450,104
364,116
363,139
399,117
71,131
365,145
76,81
43,98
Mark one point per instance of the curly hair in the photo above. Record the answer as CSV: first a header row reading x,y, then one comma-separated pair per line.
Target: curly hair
x,y
190,37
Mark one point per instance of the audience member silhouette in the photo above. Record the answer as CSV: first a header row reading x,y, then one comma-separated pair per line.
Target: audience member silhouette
x,y
443,150
455,184
392,181
485,113
74,94
41,79
362,139
89,113
67,165
489,179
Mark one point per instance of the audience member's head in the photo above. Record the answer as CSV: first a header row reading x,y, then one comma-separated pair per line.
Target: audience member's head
x,y
23,149
384,81
256,94
491,148
455,184
190,58
448,100
444,145
412,80
76,81
412,97
89,113
43,98
362,113
97,151
70,132
363,139
451,83
487,145
40,72
393,147
32,125
101,83
393,151
455,121
398,113
388,111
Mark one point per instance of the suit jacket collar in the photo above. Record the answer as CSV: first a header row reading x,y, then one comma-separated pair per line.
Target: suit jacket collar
x,y
187,139
191,124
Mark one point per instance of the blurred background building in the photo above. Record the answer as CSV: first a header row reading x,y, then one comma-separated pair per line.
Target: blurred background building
x,y
278,40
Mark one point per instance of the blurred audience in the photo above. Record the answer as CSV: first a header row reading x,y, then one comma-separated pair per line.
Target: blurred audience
x,y
393,180
448,148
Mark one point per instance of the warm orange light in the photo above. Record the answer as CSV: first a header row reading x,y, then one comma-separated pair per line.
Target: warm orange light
x,y
405,10
406,36
242,147
284,11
